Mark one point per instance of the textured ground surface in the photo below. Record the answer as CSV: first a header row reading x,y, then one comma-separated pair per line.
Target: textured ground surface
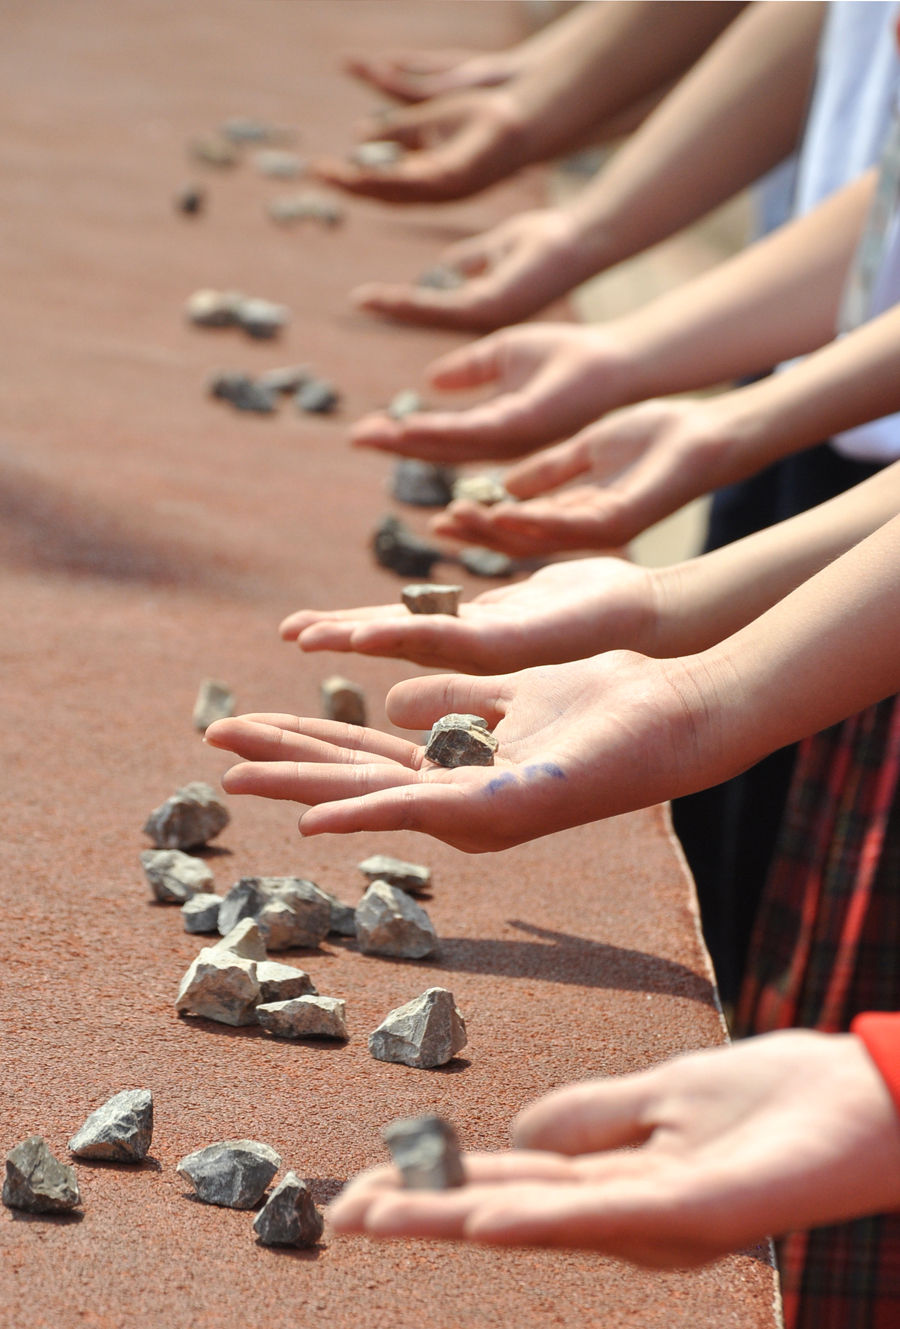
x,y
150,538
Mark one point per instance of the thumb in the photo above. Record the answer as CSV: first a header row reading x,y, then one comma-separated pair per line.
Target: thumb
x,y
587,1118
418,702
469,366
548,469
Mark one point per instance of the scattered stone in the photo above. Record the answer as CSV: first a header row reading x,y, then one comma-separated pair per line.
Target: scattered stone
x,y
175,876
396,547
343,700
403,404
389,922
233,1173
245,899
245,940
287,380
278,163
244,393
262,318
305,206
304,1017
190,199
486,562
410,877
376,153
317,397
37,1181
461,740
201,913
215,701
431,598
423,484
343,916
426,1151
191,816
425,1032
247,129
442,278
289,911
121,1129
282,982
289,1217
213,309
220,986
214,150
485,488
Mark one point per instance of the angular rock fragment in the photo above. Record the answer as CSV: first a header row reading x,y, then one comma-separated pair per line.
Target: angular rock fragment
x,y
191,816
424,1033
305,206
422,484
38,1182
289,1217
426,1151
410,877
190,199
215,701
304,1017
175,876
403,404
343,700
288,379
278,163
431,598
247,129
213,309
484,488
396,547
282,982
214,150
121,1129
343,916
262,319
289,911
200,913
461,740
245,940
486,562
220,986
232,1173
317,397
441,278
376,153
389,922
245,899
243,393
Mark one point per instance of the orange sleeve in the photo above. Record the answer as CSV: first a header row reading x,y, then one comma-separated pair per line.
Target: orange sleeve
x,y
881,1034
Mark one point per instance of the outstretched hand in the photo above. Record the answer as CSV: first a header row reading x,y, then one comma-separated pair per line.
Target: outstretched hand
x,y
416,76
566,611
785,1131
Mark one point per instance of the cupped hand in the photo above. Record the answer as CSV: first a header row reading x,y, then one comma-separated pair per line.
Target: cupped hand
x,y
548,380
563,612
785,1131
511,272
415,75
577,742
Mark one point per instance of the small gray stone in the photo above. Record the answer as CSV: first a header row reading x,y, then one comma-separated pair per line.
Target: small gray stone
x,y
317,397
191,816
424,1033
215,701
278,163
296,913
38,1182
343,916
175,876
422,484
485,488
410,877
431,598
304,1017
245,940
213,309
121,1129
403,404
262,318
232,1173
461,740
201,913
247,129
305,206
486,562
243,393
289,1217
282,982
397,548
245,899
376,153
288,379
426,1151
220,986
442,278
343,700
190,199
389,922
214,150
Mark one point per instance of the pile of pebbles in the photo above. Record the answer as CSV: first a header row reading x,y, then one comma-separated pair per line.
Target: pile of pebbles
x,y
311,395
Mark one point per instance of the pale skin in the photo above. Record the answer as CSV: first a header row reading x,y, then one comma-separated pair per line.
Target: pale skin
x,y
737,113
673,1166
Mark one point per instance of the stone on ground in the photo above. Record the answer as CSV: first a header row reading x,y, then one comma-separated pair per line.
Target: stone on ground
x,y
262,318
286,379
215,701
426,1152
281,982
410,877
38,1182
304,1017
174,876
461,740
245,940
305,206
343,916
192,816
120,1129
200,913
422,484
232,1173
397,548
486,562
317,397
289,1217
244,394
424,1033
376,153
389,922
343,700
220,986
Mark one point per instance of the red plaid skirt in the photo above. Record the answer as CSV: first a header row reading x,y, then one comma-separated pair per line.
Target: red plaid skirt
x,y
826,947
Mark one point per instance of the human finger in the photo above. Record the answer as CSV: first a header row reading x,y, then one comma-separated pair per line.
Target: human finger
x,y
466,307
293,738
448,810
588,1117
547,469
417,703
295,624
317,781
